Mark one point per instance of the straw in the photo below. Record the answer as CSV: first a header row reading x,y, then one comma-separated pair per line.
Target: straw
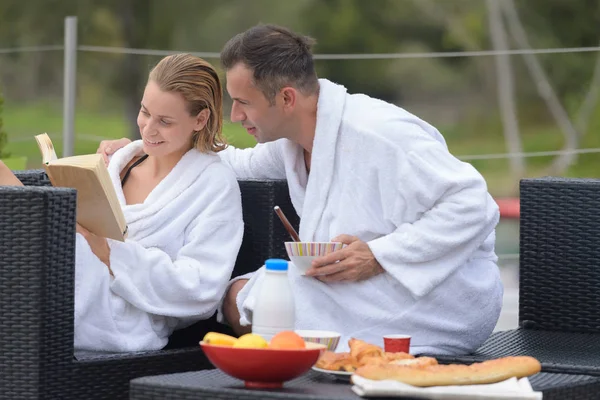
x,y
287,224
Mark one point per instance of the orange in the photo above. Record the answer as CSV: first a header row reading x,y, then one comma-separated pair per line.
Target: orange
x,y
287,340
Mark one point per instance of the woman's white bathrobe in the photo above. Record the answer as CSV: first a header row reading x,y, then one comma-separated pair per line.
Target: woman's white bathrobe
x,y
173,268
384,175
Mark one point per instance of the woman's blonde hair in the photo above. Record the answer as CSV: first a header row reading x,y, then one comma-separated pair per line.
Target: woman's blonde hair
x,y
200,86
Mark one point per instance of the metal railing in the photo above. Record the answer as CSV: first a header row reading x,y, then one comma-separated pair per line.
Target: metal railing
x,y
71,47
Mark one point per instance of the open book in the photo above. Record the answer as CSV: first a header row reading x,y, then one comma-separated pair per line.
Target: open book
x,y
98,208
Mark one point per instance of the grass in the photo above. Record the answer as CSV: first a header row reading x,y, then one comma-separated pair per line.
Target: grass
x,y
24,121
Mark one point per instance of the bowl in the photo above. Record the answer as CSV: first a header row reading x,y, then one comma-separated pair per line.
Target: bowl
x,y
302,254
263,368
329,339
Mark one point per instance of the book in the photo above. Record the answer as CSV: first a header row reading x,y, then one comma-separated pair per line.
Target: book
x,y
98,208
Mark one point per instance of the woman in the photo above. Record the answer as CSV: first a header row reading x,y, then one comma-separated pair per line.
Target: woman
x,y
183,210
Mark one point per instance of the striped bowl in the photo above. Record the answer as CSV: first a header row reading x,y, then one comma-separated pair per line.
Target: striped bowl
x,y
327,338
303,253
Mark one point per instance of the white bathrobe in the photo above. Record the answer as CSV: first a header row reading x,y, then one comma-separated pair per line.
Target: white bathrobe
x,y
173,268
385,176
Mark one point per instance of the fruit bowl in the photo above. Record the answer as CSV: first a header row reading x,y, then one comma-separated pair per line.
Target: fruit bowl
x,y
263,368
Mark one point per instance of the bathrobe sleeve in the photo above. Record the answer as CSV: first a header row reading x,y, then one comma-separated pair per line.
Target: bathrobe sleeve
x,y
193,283
450,210
263,161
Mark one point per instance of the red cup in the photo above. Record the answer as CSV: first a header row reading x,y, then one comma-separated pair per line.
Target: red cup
x,y
396,343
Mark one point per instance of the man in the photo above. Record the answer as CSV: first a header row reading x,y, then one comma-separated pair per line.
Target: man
x,y
418,224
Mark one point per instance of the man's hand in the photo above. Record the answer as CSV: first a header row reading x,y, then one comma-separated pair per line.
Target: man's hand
x,y
99,246
354,262
108,147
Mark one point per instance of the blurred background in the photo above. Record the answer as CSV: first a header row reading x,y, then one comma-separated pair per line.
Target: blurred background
x,y
513,85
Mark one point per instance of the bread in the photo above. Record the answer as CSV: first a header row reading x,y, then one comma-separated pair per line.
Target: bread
x,y
389,357
360,349
419,362
443,375
336,362
361,353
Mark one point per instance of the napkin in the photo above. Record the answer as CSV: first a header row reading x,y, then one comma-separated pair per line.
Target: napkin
x,y
512,388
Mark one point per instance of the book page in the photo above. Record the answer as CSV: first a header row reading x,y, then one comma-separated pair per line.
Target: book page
x,y
46,148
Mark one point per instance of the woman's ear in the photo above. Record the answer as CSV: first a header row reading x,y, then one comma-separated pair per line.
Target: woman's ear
x,y
202,119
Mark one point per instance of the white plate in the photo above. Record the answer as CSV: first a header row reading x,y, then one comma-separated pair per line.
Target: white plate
x,y
341,375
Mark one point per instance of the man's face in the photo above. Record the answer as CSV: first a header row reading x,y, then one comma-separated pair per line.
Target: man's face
x,y
251,108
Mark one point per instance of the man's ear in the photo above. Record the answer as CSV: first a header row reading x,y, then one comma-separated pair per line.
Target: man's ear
x,y
202,119
289,97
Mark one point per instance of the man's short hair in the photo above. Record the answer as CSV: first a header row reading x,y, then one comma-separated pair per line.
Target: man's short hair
x,y
277,56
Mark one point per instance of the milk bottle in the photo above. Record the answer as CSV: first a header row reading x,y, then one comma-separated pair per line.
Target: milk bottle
x,y
274,309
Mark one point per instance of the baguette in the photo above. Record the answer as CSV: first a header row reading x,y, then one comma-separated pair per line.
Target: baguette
x,y
419,362
454,374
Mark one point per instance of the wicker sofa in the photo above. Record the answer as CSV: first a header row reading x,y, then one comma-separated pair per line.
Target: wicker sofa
x,y
37,240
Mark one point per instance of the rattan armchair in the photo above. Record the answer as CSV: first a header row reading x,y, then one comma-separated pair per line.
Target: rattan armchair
x,y
37,240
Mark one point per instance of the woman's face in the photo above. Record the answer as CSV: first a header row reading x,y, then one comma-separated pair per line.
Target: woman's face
x,y
165,124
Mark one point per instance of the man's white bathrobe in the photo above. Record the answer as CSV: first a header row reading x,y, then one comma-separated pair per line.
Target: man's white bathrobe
x,y
385,176
173,268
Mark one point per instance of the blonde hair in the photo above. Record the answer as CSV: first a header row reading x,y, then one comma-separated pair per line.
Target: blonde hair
x,y
197,81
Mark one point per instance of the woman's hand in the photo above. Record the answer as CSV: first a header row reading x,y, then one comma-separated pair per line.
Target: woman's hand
x,y
99,246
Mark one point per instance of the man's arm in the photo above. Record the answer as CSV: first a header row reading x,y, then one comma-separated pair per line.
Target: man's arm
x,y
108,147
264,161
457,215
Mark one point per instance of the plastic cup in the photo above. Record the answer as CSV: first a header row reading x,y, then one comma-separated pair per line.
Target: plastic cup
x,y
396,343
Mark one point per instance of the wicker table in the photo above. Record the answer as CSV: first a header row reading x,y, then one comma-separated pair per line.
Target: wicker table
x,y
213,384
